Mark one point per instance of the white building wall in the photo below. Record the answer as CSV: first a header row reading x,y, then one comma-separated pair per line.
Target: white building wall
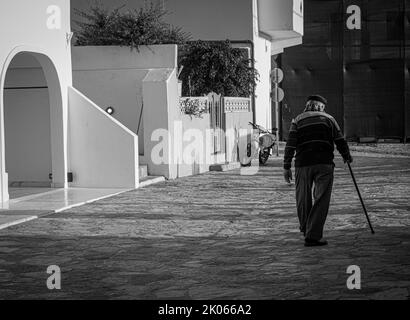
x,y
282,19
24,23
42,30
113,76
263,114
263,48
24,28
236,20
102,151
162,113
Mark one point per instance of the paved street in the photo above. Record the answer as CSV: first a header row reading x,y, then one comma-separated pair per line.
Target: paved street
x,y
219,236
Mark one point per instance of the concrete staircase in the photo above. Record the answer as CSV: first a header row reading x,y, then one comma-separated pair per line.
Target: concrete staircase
x,y
146,179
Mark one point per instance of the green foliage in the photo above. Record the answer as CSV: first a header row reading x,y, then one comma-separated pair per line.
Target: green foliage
x,y
99,26
217,67
193,107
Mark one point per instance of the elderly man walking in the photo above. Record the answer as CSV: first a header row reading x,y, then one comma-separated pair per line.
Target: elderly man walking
x,y
312,137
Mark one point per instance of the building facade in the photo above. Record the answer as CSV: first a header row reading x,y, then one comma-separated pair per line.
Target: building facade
x,y
265,27
51,135
357,54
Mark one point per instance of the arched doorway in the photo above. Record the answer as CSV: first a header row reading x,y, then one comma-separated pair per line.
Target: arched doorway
x,y
32,129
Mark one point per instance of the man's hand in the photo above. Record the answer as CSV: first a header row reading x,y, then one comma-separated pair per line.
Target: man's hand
x,y
288,175
349,159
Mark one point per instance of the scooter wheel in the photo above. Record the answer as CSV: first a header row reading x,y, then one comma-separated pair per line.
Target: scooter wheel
x,y
263,157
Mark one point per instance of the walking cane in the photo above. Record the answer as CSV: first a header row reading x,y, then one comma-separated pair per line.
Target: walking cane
x,y
360,197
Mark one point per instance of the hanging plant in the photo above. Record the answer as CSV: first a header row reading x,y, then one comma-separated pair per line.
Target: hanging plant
x,y
193,107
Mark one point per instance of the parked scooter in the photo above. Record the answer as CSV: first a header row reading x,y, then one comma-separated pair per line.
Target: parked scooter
x,y
262,143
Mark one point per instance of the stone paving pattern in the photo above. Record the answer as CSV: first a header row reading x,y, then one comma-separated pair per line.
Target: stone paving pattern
x,y
397,149
219,236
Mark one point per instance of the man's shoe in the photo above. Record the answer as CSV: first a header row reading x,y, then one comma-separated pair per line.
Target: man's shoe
x,y
315,243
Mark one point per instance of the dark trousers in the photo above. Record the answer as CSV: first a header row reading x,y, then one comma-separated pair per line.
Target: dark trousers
x,y
312,214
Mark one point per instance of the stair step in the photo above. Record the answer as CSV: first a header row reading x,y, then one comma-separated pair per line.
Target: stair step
x,y
147,181
225,167
143,171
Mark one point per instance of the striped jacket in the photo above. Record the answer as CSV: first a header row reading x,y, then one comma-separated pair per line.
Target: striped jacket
x,y
312,137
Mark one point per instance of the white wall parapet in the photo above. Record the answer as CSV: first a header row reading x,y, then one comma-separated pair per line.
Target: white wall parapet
x,y
200,102
103,153
161,112
236,104
231,104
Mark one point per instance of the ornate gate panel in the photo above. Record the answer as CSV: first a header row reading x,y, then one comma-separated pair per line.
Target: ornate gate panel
x,y
216,110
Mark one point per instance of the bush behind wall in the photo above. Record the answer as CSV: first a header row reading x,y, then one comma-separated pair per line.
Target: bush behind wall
x,y
216,67
99,26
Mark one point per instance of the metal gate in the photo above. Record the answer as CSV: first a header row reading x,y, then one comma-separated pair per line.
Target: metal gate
x,y
216,110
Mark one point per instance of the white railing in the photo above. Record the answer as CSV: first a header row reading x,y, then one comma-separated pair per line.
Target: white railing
x,y
230,104
234,104
200,102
